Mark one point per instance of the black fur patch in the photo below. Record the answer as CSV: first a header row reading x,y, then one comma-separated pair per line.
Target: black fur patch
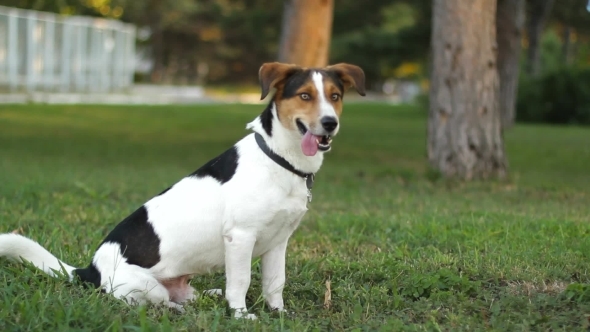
x,y
221,168
89,275
139,242
294,82
334,78
266,119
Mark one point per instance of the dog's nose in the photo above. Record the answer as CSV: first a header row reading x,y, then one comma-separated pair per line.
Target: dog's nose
x,y
329,123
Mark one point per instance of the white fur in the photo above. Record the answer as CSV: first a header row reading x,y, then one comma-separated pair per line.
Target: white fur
x,y
15,247
133,283
326,108
204,226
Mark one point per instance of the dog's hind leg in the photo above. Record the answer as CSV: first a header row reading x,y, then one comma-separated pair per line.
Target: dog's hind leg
x,y
137,286
132,283
179,289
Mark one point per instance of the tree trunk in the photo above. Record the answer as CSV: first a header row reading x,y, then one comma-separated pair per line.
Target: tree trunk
x,y
464,129
306,31
510,19
538,15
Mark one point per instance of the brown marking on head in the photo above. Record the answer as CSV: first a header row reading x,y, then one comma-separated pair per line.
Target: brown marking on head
x,y
297,95
334,92
299,100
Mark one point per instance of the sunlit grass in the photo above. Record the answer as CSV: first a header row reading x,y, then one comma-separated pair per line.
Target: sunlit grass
x,y
400,248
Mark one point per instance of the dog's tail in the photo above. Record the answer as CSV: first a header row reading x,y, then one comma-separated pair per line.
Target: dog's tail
x,y
19,248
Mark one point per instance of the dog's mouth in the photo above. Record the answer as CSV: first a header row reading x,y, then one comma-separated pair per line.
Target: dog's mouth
x,y
310,143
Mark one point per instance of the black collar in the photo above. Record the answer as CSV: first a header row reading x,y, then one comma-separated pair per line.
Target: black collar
x,y
309,177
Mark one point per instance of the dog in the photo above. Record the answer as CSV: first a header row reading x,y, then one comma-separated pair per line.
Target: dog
x,y
244,203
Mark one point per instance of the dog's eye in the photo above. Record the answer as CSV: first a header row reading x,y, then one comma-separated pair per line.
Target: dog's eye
x,y
335,97
305,96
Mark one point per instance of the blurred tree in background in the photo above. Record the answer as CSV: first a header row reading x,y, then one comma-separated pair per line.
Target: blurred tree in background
x,y
386,38
510,20
538,15
306,32
225,41
572,22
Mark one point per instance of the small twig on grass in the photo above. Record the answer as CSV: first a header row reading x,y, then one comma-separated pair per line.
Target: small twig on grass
x,y
328,296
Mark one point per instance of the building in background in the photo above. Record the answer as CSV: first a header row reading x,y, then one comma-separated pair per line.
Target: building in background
x,y
41,51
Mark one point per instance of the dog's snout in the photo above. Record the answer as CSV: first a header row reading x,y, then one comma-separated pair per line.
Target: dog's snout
x,y
329,123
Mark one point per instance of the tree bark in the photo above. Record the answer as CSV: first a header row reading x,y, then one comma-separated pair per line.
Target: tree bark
x,y
539,12
306,32
510,20
464,130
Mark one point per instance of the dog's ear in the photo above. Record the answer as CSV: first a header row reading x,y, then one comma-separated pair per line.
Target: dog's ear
x,y
271,73
350,75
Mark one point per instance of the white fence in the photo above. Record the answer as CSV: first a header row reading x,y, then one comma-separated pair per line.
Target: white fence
x,y
42,51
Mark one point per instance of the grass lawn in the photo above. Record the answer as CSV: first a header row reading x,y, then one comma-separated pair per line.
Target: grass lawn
x,y
400,249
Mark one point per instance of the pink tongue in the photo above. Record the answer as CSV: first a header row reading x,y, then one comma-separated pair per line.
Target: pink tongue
x,y
309,146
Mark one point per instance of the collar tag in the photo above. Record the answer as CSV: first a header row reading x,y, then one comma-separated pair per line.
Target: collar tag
x,y
309,184
309,181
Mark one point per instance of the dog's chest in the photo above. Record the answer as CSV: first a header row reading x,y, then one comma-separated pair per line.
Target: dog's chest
x,y
280,222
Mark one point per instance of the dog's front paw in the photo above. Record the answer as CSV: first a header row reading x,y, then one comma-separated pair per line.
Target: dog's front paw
x,y
243,314
176,306
213,292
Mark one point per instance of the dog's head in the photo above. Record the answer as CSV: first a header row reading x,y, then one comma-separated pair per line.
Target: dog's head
x,y
309,100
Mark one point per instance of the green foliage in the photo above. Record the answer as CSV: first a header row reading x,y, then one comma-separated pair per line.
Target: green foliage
x,y
437,284
233,37
395,32
559,96
577,292
571,13
403,251
66,7
551,52
171,15
561,93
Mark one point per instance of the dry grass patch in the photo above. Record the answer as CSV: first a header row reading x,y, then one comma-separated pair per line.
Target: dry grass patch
x,y
530,288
